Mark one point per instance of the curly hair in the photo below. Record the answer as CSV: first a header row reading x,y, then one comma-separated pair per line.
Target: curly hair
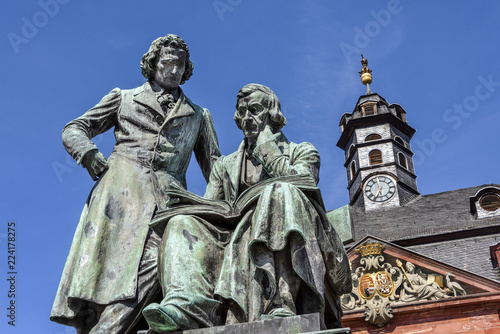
x,y
148,60
273,105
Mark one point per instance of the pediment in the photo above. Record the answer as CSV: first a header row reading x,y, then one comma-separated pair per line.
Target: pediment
x,y
387,276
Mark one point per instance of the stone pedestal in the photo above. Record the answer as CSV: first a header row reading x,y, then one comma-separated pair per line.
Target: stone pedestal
x,y
308,323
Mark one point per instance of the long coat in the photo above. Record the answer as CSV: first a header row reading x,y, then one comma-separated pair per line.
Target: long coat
x,y
282,216
152,151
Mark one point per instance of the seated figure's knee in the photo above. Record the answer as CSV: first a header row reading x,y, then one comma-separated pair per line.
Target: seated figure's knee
x,y
179,223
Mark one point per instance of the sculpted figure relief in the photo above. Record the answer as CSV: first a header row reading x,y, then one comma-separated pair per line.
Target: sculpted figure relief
x,y
111,271
420,289
280,258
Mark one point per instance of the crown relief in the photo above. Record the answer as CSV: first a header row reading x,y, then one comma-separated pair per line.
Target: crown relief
x,y
370,249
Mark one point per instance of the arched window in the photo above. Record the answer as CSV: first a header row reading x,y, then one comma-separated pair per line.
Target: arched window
x,y
375,157
353,170
399,140
373,136
402,160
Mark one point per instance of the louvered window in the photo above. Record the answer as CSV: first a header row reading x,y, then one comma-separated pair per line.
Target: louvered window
x,y
373,136
490,202
369,109
375,157
399,140
353,170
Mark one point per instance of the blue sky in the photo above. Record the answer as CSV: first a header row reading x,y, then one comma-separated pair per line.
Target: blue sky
x,y
438,60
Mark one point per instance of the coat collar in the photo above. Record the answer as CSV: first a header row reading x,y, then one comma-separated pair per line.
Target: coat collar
x,y
146,96
283,144
182,107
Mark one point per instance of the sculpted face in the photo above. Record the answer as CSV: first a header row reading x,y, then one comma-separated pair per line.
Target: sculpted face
x,y
170,66
254,114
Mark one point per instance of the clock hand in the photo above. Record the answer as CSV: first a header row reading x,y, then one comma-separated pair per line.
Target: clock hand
x,y
378,183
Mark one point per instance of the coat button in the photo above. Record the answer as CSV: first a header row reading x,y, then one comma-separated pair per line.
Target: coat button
x,y
158,149
159,119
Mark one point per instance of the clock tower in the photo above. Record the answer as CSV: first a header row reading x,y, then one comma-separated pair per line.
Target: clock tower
x,y
378,156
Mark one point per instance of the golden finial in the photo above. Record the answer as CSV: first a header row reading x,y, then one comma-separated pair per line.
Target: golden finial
x,y
366,77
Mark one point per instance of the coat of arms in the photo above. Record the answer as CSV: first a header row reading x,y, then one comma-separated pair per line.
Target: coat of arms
x,y
377,285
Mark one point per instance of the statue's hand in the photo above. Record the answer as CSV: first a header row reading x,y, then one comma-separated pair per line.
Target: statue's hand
x,y
95,163
267,135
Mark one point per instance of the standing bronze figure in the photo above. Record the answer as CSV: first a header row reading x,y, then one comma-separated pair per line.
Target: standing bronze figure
x,y
111,269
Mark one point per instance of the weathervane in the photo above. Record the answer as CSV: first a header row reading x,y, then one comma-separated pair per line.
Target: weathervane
x,y
366,77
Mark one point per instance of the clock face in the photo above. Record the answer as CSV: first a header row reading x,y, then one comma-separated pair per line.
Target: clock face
x,y
380,188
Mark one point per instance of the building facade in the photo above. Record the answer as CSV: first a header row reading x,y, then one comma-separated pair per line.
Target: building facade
x,y
420,263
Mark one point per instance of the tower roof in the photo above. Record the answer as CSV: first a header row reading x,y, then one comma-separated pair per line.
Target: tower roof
x,y
380,112
372,109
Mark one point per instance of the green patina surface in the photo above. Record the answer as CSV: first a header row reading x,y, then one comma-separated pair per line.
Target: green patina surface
x,y
341,221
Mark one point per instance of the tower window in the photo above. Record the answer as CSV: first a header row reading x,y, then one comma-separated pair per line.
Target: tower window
x,y
399,140
402,160
490,202
353,170
400,113
351,150
375,157
373,136
369,109
401,116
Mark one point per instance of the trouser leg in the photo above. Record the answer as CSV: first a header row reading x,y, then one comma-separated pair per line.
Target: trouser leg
x,y
120,317
189,262
288,282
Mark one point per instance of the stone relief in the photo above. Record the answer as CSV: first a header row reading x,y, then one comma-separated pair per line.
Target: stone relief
x,y
378,285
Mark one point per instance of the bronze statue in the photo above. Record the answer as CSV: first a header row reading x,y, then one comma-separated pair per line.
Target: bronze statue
x,y
278,259
111,273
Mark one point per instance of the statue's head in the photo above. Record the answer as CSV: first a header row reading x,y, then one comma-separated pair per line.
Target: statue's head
x,y
256,106
410,267
167,61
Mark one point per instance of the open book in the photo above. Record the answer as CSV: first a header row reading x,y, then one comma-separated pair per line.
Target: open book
x,y
222,212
